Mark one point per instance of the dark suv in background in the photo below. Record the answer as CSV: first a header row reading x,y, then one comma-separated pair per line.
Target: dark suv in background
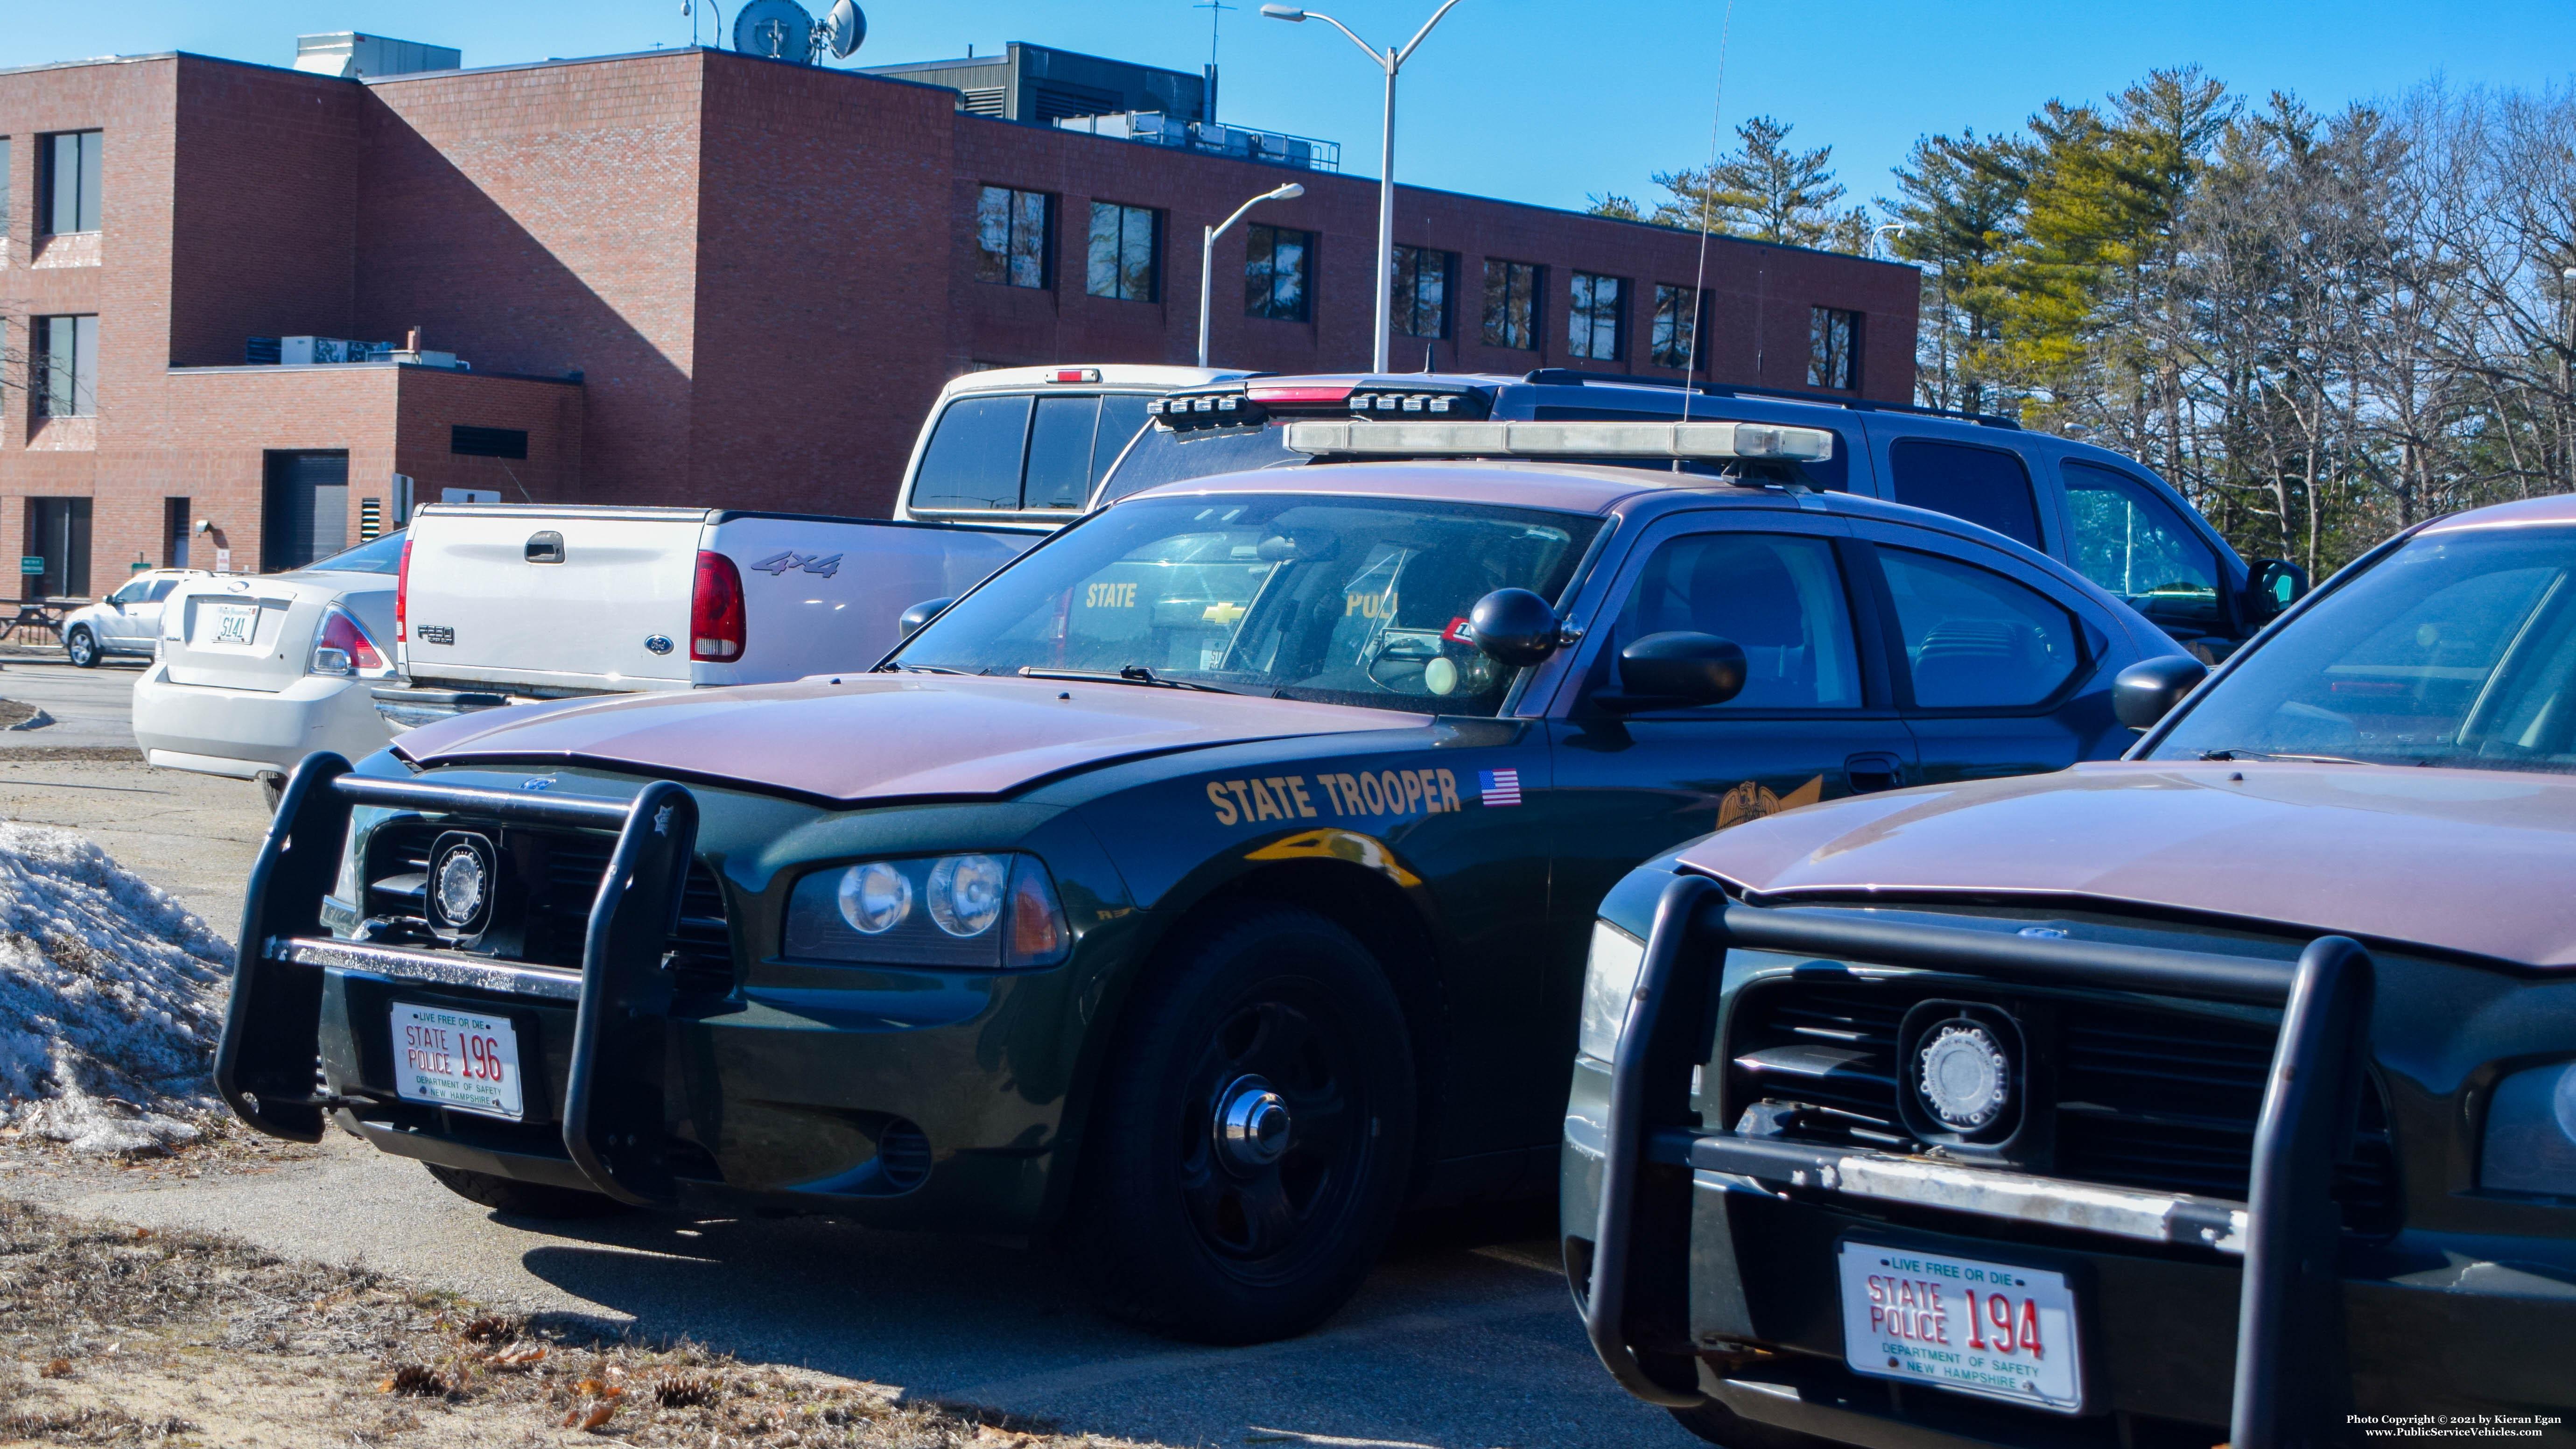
x,y
2101,514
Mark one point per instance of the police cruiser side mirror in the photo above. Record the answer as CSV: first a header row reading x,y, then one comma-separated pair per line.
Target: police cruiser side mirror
x,y
2147,691
920,614
1516,627
2272,585
1681,668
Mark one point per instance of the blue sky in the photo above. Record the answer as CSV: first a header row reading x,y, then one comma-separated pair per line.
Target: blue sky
x,y
1518,98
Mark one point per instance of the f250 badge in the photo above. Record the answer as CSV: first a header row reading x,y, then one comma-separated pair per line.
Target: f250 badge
x,y
779,564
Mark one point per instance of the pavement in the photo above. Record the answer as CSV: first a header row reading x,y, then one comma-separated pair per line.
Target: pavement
x,y
1462,1339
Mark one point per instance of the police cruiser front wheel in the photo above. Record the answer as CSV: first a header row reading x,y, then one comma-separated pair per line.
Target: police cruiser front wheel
x,y
1254,1134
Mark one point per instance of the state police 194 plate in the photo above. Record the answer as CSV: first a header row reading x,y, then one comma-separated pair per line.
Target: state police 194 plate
x,y
1970,1325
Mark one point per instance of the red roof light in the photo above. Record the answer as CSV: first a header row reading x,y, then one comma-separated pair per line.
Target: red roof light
x,y
1298,394
1075,374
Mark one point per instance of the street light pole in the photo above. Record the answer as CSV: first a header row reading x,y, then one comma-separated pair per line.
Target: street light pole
x,y
1207,253
1391,61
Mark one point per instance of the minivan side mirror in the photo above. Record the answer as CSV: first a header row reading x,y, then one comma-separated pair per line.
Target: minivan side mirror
x,y
2148,690
1516,627
2272,585
920,614
1678,668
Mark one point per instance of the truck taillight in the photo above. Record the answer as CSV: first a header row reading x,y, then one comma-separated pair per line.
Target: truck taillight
x,y
402,597
715,610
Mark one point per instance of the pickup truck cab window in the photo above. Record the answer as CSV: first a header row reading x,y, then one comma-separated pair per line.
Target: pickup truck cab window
x,y
1016,451
1982,485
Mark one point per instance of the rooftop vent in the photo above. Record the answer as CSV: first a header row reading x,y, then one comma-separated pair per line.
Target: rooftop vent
x,y
348,54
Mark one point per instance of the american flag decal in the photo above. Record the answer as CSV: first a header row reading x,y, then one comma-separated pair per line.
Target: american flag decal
x,y
1500,787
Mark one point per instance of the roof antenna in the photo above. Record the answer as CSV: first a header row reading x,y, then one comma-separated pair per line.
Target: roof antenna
x,y
1426,358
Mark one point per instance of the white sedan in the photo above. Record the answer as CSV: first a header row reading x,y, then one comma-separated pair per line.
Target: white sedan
x,y
125,622
257,671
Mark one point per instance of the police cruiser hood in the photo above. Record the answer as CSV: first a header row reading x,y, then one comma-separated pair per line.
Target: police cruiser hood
x,y
2470,861
880,736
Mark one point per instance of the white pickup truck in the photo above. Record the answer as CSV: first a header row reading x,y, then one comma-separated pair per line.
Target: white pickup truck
x,y
503,604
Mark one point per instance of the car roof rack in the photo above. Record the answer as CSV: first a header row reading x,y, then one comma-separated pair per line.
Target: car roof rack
x,y
1569,377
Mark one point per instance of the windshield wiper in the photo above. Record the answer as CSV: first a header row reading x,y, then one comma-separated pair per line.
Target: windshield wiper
x,y
1132,674
2271,755
917,669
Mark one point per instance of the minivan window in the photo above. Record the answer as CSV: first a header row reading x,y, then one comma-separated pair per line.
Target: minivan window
x,y
1985,486
2130,541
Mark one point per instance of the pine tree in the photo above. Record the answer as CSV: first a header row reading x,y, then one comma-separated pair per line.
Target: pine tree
x,y
1765,191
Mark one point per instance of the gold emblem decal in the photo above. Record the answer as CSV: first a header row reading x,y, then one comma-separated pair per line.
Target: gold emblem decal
x,y
1347,845
1750,801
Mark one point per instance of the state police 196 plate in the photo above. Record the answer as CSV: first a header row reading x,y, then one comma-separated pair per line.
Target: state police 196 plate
x,y
1970,1325
457,1059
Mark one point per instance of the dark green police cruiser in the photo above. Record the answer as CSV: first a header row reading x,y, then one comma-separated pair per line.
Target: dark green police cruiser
x,y
1199,890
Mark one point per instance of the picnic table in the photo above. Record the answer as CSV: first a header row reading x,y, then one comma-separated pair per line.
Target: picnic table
x,y
43,615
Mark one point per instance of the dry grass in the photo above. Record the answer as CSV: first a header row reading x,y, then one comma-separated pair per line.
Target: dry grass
x,y
115,1335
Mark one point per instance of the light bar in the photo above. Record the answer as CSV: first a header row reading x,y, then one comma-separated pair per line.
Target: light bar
x,y
1429,439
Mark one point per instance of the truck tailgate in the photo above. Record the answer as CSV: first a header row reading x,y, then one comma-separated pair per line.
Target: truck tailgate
x,y
826,594
568,598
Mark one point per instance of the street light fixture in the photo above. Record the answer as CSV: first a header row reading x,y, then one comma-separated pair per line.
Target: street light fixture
x,y
1207,253
1391,61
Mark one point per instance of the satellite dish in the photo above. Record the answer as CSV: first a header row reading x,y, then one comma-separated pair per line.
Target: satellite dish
x,y
844,30
774,30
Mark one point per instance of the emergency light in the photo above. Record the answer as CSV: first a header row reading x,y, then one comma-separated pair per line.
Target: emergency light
x,y
1429,439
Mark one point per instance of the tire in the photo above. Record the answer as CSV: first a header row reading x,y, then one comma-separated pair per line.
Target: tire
x,y
524,1199
1183,1232
1718,1424
80,646
272,788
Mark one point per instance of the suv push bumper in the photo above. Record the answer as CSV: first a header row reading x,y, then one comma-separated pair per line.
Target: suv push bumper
x,y
2290,1334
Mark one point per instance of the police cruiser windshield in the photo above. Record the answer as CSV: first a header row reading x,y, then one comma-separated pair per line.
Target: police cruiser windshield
x,y
1343,600
2457,650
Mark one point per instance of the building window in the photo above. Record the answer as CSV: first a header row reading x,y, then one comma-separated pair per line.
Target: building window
x,y
1126,243
1833,348
4,188
487,442
67,194
1275,268
1422,291
1676,327
66,358
1011,237
1511,305
58,539
1592,326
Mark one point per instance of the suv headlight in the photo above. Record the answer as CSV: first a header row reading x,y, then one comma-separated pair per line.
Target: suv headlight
x,y
958,911
1609,979
2531,1133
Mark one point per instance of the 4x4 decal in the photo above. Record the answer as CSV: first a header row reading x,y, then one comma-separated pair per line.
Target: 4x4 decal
x,y
780,563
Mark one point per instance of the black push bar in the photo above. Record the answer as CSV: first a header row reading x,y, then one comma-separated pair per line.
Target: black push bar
x,y
2290,1369
265,1066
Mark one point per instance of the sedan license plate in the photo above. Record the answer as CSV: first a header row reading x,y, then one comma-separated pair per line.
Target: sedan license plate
x,y
229,624
1967,1324
457,1059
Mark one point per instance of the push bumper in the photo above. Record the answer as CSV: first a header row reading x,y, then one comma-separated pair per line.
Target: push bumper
x,y
2268,1263
245,733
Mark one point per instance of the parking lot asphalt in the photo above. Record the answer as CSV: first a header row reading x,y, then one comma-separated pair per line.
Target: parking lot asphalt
x,y
1462,1339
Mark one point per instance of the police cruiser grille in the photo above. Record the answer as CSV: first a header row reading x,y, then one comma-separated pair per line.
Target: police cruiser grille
x,y
2144,1098
557,874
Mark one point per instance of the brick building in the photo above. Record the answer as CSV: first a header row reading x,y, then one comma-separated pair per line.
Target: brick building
x,y
698,277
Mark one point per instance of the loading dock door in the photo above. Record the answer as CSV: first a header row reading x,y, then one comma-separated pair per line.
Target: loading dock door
x,y
306,512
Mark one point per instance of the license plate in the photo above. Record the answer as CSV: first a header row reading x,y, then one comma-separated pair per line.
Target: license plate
x,y
230,623
456,1059
1970,1325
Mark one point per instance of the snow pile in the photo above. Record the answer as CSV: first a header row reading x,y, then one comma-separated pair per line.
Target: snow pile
x,y
111,998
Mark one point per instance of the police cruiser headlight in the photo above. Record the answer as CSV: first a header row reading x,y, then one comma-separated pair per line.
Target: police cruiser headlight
x,y
2531,1133
963,911
1609,979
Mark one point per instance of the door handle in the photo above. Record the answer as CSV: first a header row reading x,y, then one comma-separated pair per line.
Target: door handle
x,y
1869,774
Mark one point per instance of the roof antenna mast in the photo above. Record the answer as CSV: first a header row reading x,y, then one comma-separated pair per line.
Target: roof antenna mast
x,y
1216,13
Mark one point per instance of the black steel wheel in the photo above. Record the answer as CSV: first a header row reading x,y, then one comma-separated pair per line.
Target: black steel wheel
x,y
81,647
524,1199
1252,1143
